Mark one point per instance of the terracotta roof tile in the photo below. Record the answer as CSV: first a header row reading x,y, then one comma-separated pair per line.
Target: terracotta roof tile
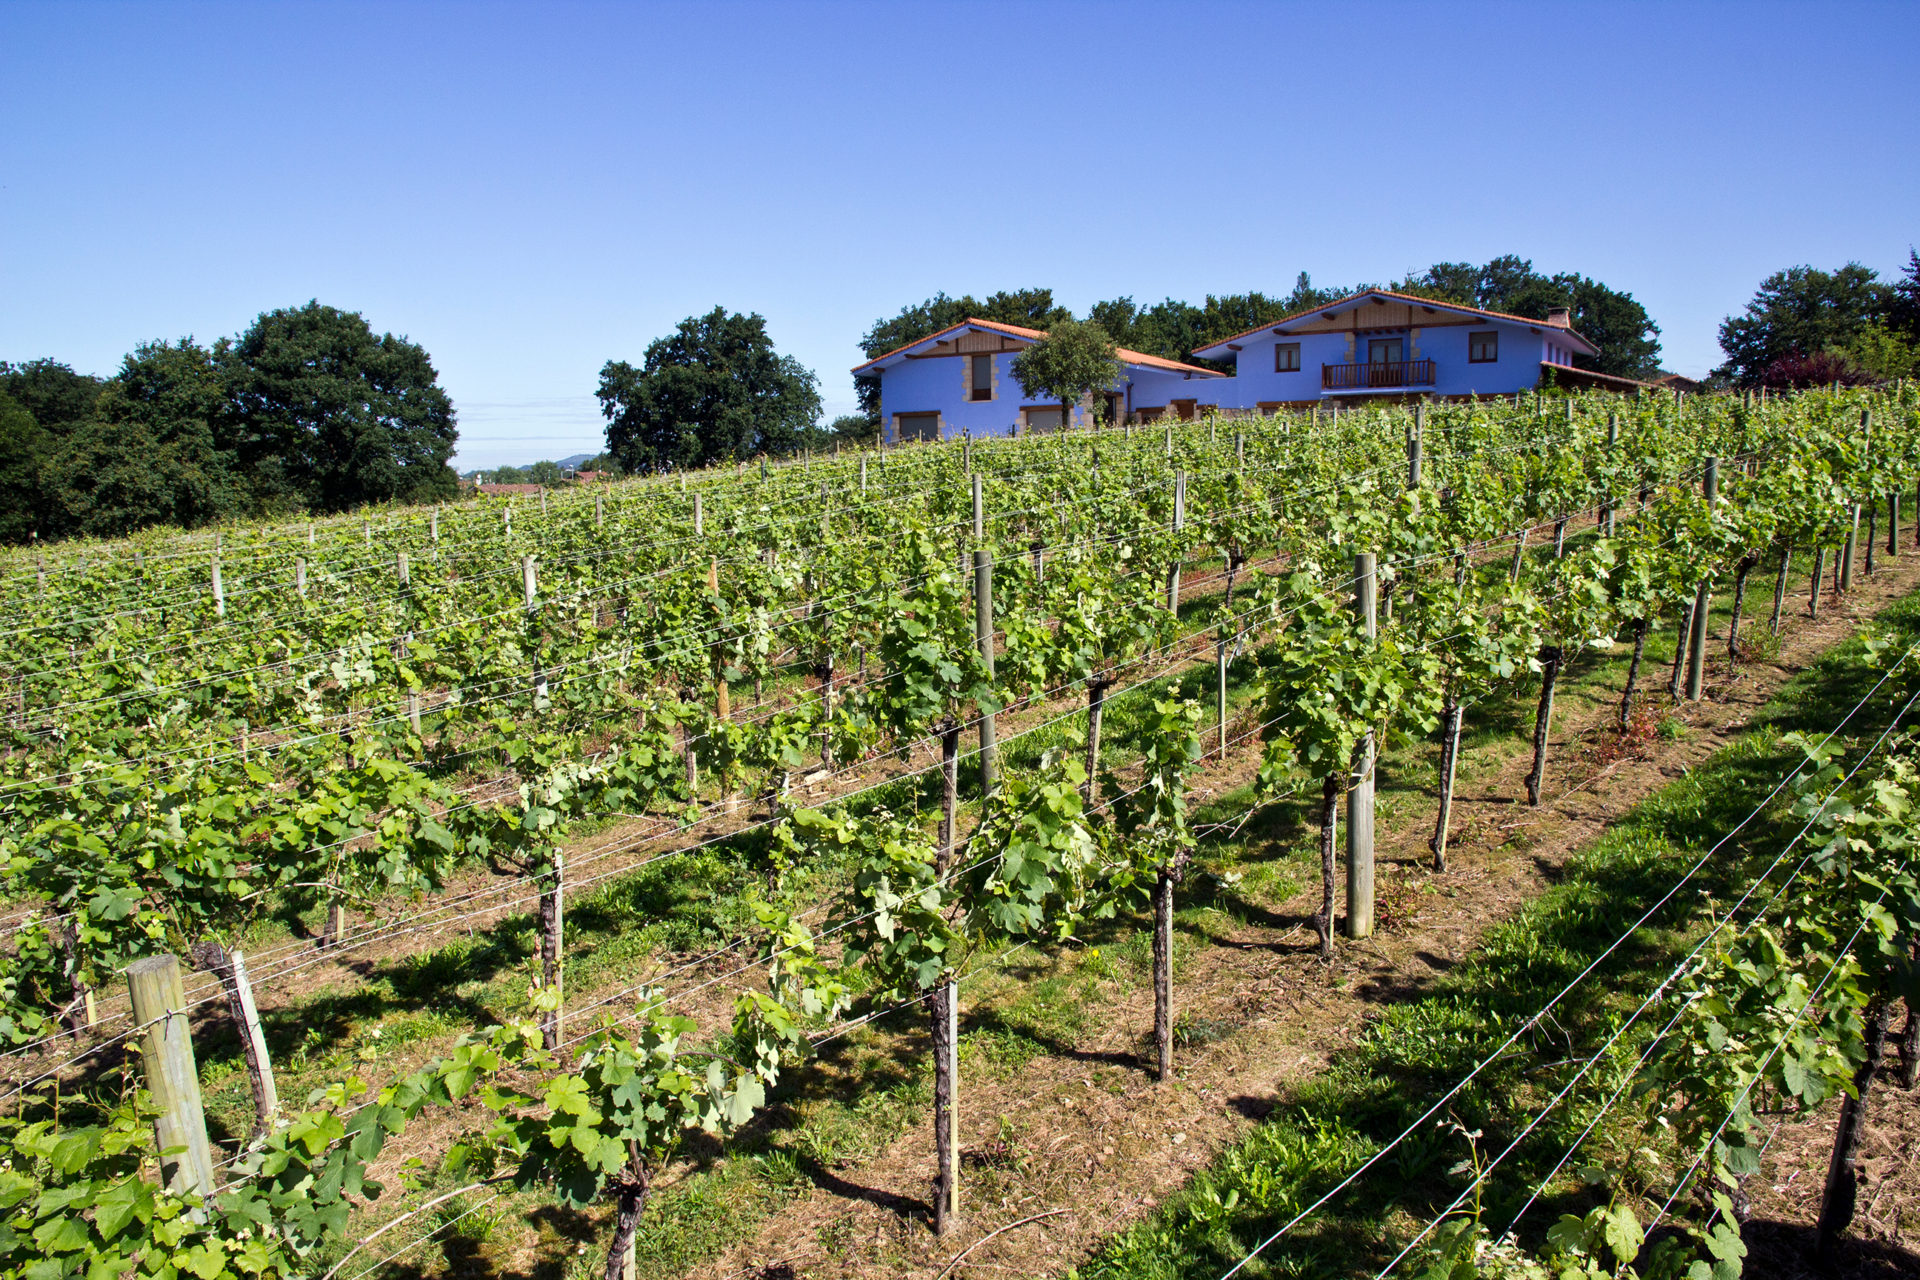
x,y
1020,331
1414,298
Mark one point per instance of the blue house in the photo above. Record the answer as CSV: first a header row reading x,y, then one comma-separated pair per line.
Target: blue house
x,y
1367,346
1379,343
960,380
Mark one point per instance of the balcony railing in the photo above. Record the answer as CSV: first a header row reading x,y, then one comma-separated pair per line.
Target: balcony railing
x,y
1378,374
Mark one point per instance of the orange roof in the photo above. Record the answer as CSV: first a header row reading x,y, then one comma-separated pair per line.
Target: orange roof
x,y
1414,298
1018,331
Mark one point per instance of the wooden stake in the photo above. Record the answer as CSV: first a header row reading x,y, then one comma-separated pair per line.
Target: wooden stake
x,y
983,636
1360,794
1702,600
1179,523
165,1043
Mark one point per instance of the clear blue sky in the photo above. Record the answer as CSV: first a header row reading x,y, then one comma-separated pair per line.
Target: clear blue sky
x,y
531,190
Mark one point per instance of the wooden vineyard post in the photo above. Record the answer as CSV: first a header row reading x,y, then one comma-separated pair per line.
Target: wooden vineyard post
x,y
300,576
1179,524
1613,450
231,968
1893,523
722,693
983,635
1220,692
219,591
1169,441
979,514
863,475
552,947
1702,600
1360,794
699,516
966,455
166,1052
1850,550
1414,434
433,529
1239,449
943,1008
401,570
530,588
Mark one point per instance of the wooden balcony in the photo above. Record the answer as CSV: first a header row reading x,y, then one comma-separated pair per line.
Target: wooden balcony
x,y
1379,375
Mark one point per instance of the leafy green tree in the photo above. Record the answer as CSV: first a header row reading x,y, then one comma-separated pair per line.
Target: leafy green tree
x,y
1175,329
1801,311
854,428
154,450
715,388
1903,303
330,415
546,473
1030,308
52,392
1072,362
25,448
1883,353
1628,339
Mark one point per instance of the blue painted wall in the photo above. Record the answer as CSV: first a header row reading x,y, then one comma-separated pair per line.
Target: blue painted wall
x,y
1517,369
943,384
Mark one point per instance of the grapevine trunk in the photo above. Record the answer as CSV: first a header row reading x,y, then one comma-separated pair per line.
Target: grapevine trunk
x,y
1550,659
1843,1172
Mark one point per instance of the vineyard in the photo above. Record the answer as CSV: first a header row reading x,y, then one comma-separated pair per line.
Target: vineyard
x,y
579,884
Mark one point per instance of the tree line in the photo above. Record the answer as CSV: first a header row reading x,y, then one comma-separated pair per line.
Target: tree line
x,y
307,410
1807,327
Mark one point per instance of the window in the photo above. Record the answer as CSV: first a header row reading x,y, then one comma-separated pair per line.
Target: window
x,y
1286,357
1483,348
982,383
916,426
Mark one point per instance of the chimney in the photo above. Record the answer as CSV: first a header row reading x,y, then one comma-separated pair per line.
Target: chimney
x,y
1560,317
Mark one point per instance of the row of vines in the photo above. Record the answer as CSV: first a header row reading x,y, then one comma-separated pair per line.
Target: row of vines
x,y
356,722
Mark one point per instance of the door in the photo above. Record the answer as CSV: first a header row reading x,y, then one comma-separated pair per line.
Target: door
x,y
1384,362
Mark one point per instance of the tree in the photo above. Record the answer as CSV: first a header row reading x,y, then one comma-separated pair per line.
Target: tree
x,y
854,428
1903,303
1175,329
1801,312
546,473
24,450
1029,308
330,416
1883,353
56,396
715,388
1072,362
156,448
1628,339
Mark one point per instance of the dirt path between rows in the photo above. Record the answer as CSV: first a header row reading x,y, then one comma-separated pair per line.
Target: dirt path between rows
x,y
1088,1133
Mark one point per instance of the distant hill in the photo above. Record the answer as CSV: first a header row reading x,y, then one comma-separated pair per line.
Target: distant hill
x,y
573,460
